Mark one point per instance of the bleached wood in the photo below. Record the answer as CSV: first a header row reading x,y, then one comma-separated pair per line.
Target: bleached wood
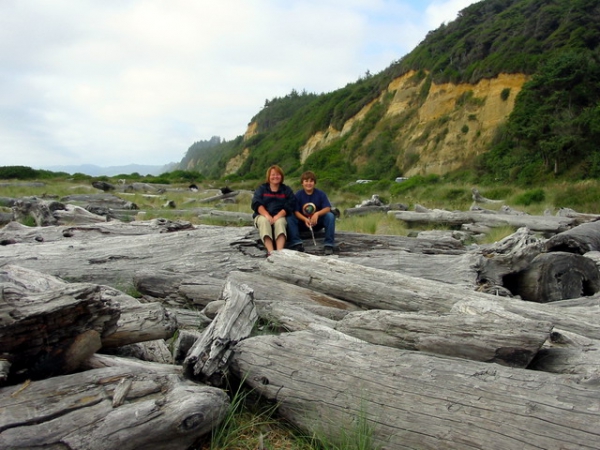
x,y
155,412
506,341
414,400
552,224
208,358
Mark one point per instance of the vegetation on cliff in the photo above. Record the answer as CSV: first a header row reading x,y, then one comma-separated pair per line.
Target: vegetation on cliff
x,y
550,134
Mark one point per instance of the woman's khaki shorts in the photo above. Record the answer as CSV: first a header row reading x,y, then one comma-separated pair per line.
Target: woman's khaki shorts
x,y
265,228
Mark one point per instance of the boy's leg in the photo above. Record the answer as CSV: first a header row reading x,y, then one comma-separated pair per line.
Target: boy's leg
x,y
293,232
329,224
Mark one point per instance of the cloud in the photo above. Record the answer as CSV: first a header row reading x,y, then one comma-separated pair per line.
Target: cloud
x,y
113,83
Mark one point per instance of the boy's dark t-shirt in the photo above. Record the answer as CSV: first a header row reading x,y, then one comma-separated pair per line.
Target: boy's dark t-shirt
x,y
318,197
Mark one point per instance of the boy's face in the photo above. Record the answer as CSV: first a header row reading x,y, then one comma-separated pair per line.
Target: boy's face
x,y
308,185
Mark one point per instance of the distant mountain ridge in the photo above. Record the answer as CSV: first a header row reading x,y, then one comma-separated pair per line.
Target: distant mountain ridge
x,y
95,171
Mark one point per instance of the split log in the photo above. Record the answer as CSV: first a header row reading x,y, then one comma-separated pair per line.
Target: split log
x,y
549,224
208,359
109,408
558,276
580,239
486,338
51,332
415,400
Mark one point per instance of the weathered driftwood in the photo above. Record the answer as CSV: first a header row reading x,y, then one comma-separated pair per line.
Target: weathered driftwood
x,y
485,338
215,198
409,399
101,361
364,210
73,215
364,286
152,351
379,289
51,332
105,409
228,217
580,239
580,217
207,360
272,290
558,276
6,217
478,198
114,252
550,224
141,322
109,201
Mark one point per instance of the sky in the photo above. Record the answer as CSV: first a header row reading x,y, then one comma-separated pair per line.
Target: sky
x,y
117,82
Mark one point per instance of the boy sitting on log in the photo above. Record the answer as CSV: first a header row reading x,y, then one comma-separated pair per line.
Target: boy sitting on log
x,y
313,213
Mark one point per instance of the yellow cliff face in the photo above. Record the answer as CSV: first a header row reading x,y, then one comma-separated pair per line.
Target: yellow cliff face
x,y
457,122
451,126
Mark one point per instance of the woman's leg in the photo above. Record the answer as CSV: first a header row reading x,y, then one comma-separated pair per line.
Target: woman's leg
x,y
281,232
265,232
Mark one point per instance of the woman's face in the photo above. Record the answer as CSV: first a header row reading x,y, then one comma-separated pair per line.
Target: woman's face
x,y
274,177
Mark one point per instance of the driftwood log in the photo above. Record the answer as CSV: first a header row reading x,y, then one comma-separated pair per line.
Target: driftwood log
x,y
415,312
105,409
547,224
413,400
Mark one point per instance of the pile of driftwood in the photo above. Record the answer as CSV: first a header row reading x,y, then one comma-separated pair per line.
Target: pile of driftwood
x,y
426,342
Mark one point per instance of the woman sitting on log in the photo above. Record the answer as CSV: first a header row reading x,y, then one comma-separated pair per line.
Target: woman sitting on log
x,y
271,203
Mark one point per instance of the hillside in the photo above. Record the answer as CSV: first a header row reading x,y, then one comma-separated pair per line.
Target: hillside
x,y
508,90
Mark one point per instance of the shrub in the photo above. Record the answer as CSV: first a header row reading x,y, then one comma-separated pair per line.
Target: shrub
x,y
530,197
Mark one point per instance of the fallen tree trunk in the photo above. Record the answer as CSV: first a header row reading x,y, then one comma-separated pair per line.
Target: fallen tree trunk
x,y
551,224
379,289
505,341
414,400
105,409
580,239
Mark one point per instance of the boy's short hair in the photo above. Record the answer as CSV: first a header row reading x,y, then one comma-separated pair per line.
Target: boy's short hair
x,y
308,175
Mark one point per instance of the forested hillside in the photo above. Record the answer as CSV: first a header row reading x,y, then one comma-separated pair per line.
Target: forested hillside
x,y
386,125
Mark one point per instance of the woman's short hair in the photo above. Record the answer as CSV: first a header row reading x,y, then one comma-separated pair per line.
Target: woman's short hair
x,y
277,169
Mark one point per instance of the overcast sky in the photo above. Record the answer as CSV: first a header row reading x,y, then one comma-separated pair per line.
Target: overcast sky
x,y
116,82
